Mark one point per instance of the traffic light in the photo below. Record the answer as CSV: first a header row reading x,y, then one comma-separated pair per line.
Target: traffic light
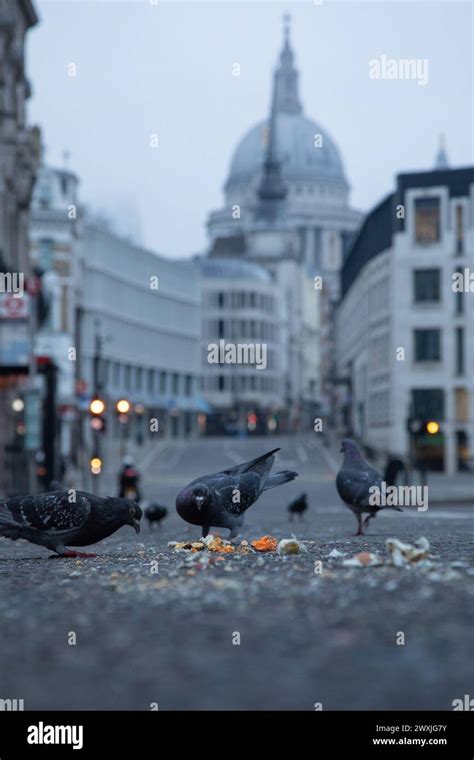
x,y
96,465
97,419
432,427
123,408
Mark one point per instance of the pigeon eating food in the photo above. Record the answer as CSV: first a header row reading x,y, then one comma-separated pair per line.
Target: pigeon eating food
x,y
298,506
154,513
221,499
66,518
354,481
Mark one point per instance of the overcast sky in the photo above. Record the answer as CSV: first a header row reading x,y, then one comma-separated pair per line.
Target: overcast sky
x,y
167,69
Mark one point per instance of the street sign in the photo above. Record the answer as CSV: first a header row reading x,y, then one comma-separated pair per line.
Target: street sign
x,y
32,420
12,307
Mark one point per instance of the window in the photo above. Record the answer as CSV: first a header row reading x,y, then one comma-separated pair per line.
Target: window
x,y
220,328
426,285
461,404
127,376
151,382
459,297
138,378
427,345
427,220
459,350
116,374
459,228
189,385
175,384
45,254
220,382
220,300
163,382
428,403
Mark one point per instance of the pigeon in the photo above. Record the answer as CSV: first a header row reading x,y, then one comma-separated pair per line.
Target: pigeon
x,y
221,499
298,506
59,519
154,513
56,485
353,482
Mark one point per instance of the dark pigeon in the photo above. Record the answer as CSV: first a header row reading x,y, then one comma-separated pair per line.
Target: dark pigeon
x,y
298,506
154,513
56,485
66,518
221,499
353,483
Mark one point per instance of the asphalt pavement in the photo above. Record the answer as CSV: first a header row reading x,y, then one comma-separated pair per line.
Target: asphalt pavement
x,y
143,625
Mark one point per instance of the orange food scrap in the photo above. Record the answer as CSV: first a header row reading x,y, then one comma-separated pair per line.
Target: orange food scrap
x,y
220,546
265,544
365,558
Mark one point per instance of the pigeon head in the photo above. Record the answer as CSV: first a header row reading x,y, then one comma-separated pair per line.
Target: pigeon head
x,y
201,495
129,512
350,449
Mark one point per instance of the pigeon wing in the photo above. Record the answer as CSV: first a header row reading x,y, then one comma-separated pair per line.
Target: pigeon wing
x,y
354,485
52,513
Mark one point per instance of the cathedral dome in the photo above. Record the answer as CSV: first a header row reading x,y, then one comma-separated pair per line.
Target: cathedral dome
x,y
288,147
299,158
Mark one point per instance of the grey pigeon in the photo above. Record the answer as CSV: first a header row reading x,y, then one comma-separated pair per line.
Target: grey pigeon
x,y
353,483
221,499
298,506
66,518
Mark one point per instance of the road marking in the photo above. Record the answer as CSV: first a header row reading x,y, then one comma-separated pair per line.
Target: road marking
x,y
302,453
233,456
331,462
148,458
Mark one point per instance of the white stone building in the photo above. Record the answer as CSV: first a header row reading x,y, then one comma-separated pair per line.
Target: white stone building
x,y
141,314
240,307
287,209
54,249
404,338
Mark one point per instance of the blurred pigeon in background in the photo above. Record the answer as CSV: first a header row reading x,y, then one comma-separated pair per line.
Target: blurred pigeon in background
x,y
154,513
66,518
298,506
353,483
221,499
56,485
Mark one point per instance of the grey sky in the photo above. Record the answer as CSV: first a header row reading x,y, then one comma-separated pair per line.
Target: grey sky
x,y
167,69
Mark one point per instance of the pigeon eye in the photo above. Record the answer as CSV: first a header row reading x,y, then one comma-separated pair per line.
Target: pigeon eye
x,y
132,511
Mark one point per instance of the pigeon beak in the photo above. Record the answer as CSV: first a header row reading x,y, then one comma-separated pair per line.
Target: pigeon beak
x,y
136,525
199,501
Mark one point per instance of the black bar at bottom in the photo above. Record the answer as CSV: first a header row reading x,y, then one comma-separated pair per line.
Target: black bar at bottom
x,y
375,734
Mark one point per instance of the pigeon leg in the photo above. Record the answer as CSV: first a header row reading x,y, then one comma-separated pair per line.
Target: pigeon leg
x,y
360,532
366,521
233,533
205,531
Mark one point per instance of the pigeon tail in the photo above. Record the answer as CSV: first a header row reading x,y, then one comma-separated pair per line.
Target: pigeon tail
x,y
278,478
254,464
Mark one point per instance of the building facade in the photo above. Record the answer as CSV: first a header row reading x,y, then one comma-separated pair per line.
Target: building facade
x,y
240,309
138,336
19,154
404,341
55,227
287,209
